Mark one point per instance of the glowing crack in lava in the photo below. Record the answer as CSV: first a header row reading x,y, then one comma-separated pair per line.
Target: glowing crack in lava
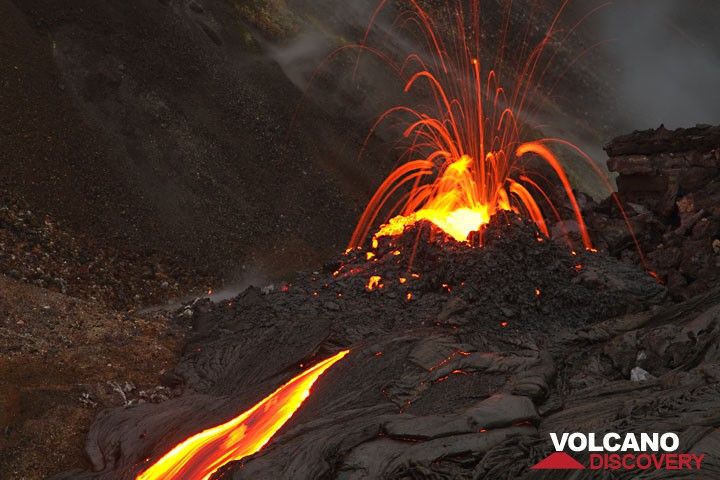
x,y
463,162
198,457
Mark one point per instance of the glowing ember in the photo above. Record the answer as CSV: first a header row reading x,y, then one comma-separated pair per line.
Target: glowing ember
x,y
374,283
199,456
462,164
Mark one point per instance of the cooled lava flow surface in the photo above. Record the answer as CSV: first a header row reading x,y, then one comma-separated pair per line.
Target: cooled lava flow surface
x,y
434,329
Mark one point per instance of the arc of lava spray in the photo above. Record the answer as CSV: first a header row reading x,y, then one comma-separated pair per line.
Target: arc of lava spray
x,y
199,456
463,162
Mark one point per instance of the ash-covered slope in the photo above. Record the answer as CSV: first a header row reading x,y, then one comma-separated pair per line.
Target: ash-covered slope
x,y
163,125
425,374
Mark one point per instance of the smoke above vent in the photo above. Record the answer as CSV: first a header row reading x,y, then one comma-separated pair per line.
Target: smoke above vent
x,y
648,61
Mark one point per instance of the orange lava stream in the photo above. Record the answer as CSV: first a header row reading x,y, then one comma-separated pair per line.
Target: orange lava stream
x,y
198,457
463,162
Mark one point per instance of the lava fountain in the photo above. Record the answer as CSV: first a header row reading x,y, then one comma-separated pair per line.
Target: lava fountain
x,y
199,456
462,163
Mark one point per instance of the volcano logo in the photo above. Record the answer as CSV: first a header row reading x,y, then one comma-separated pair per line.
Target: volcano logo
x,y
613,451
558,461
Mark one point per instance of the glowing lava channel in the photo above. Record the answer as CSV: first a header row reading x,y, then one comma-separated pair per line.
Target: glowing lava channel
x,y
198,457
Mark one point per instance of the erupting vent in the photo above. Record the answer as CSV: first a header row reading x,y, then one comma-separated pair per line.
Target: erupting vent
x,y
462,164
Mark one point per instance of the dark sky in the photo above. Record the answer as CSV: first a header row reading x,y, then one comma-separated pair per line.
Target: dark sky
x,y
667,60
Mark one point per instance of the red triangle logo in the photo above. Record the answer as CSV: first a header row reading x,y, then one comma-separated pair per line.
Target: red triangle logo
x,y
558,461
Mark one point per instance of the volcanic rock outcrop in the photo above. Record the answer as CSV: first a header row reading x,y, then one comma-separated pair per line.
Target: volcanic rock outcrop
x,y
669,182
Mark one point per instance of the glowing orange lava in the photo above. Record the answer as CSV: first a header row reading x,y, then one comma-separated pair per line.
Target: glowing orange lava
x,y
374,283
463,161
198,457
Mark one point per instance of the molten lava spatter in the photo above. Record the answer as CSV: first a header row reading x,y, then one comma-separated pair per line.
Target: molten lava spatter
x,y
463,161
455,209
198,457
